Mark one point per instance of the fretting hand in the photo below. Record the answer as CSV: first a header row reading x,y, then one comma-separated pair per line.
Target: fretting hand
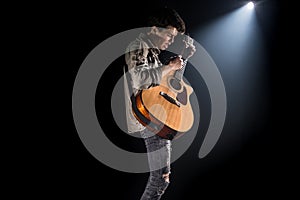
x,y
174,64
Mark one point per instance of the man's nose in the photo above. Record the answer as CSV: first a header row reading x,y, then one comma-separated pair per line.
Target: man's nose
x,y
172,39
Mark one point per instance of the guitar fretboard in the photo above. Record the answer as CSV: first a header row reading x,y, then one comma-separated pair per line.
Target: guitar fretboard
x,y
179,73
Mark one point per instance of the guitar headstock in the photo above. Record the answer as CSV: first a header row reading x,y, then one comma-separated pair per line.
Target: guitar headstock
x,y
188,40
189,46
183,46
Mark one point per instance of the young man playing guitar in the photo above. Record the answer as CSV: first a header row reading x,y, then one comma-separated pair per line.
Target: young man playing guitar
x,y
147,71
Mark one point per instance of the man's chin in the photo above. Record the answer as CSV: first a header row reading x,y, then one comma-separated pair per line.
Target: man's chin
x,y
164,47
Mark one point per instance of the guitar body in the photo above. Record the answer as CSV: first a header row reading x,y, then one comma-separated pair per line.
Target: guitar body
x,y
165,109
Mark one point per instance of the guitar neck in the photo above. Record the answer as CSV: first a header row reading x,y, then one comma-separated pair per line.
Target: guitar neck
x,y
179,73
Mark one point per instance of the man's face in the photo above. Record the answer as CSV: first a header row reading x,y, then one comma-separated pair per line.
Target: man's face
x,y
162,38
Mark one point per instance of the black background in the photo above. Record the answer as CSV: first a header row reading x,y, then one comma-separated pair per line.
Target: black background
x,y
255,166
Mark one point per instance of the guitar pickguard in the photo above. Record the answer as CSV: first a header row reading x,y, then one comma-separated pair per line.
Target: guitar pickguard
x,y
176,86
182,96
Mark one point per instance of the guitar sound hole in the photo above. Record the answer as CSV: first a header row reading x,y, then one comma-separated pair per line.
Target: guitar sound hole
x,y
175,84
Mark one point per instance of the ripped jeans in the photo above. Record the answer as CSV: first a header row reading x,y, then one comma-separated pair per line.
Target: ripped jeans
x,y
159,152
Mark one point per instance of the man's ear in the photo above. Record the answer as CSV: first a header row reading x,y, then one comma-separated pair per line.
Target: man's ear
x,y
153,30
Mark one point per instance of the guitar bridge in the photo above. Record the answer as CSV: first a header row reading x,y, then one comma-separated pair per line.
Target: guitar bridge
x,y
169,98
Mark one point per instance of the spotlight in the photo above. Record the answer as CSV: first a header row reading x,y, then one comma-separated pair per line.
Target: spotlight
x,y
250,5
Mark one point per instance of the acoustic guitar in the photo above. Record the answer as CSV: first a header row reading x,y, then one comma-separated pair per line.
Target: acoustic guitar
x,y
165,109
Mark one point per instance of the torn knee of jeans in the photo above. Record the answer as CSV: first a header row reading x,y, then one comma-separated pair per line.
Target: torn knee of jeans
x,y
163,185
166,177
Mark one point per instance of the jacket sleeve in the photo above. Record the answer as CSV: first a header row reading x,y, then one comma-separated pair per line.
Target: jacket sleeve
x,y
144,69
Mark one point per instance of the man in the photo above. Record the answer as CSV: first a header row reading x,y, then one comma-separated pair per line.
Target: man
x,y
146,70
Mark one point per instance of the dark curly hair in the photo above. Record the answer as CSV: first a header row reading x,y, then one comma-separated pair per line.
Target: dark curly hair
x,y
165,17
